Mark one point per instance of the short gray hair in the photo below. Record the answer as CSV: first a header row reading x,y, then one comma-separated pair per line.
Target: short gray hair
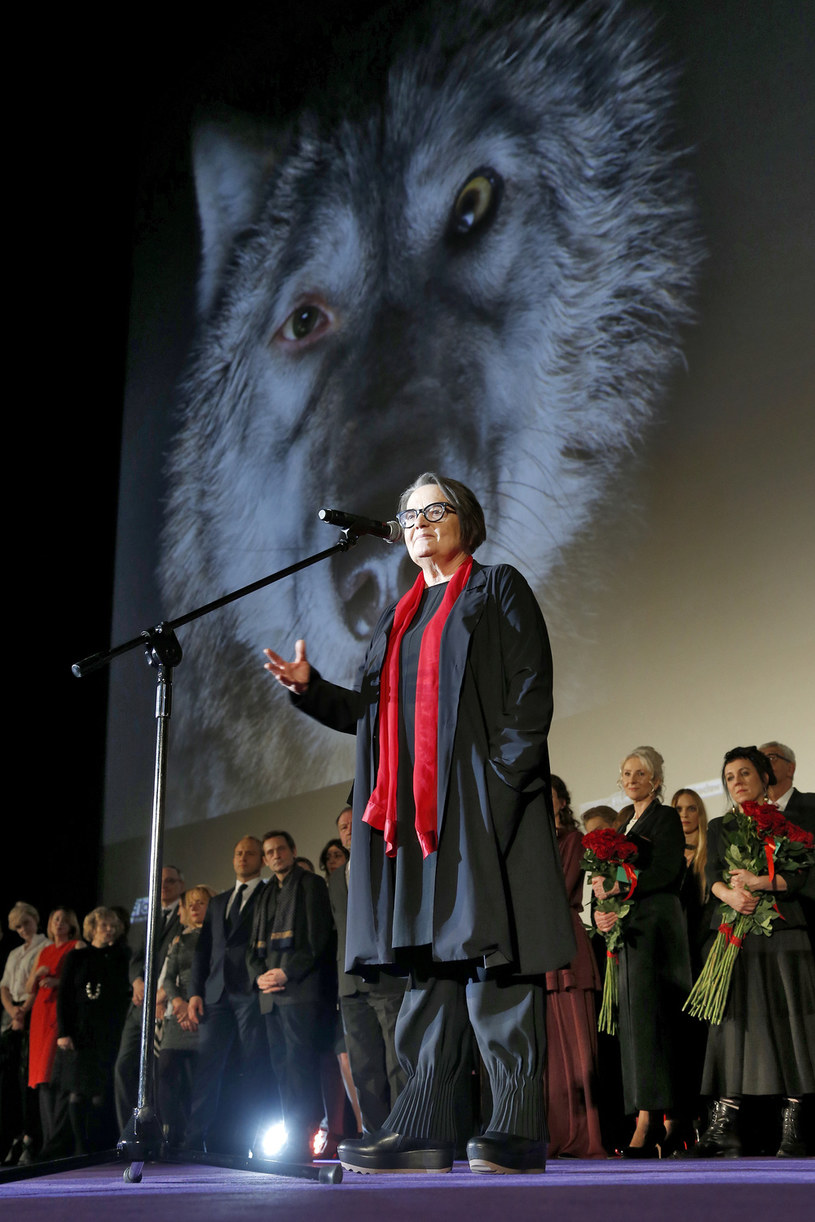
x,y
470,514
780,749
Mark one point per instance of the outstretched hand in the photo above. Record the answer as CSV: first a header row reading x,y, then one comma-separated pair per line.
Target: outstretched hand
x,y
293,675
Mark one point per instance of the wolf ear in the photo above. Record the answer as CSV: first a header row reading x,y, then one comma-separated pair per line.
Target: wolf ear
x,y
231,156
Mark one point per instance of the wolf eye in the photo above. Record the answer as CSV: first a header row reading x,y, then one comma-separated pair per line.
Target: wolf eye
x,y
306,322
476,202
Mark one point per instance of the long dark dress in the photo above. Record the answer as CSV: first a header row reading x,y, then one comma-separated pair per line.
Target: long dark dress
x,y
654,966
93,1000
570,1081
766,1043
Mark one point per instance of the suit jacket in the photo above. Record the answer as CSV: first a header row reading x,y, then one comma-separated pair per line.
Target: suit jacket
x,y
801,810
309,963
801,804
138,959
219,965
496,878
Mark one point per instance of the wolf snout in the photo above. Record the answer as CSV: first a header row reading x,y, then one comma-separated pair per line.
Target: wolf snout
x,y
366,582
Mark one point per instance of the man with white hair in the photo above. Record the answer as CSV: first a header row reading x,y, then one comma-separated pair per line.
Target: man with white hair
x,y
800,808
783,792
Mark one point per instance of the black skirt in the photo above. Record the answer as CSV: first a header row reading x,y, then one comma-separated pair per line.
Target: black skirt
x,y
766,1043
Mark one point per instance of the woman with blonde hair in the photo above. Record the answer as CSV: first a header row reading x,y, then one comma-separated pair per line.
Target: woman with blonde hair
x,y
179,1040
91,1010
694,896
693,891
654,966
43,988
17,1115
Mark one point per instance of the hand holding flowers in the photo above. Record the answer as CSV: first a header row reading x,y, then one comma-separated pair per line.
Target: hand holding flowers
x,y
759,842
608,855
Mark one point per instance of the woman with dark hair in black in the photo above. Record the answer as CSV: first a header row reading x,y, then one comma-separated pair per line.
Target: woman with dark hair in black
x,y
455,874
333,857
765,1044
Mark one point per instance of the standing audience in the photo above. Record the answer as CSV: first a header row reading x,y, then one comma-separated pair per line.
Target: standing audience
x,y
19,1123
290,954
263,955
765,1044
179,1036
127,1060
91,1007
42,987
570,1076
654,965
224,1004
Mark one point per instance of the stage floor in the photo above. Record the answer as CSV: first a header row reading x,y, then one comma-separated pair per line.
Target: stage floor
x,y
572,1191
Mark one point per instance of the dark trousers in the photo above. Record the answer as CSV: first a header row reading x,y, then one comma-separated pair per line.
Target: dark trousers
x,y
294,1034
235,1019
126,1071
369,1022
176,1067
509,1024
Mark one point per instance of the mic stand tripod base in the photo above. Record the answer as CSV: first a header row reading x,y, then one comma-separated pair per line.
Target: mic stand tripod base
x,y
142,1139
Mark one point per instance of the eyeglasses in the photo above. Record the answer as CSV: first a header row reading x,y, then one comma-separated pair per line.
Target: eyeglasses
x,y
432,513
772,757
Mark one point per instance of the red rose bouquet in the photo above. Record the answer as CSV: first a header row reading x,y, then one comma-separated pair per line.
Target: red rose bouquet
x,y
759,838
611,854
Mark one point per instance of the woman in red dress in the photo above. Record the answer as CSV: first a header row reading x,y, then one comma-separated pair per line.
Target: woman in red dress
x,y
571,1015
42,985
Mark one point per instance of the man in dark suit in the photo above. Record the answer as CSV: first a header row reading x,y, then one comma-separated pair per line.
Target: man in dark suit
x,y
222,1002
290,957
126,1073
783,792
800,808
369,1011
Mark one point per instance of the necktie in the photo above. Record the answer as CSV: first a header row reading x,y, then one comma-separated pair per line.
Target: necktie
x,y
235,910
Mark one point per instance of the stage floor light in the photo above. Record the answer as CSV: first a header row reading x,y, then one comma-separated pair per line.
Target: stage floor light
x,y
273,1140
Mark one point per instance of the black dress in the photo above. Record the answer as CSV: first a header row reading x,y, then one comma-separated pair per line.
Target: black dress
x,y
654,966
766,1043
93,999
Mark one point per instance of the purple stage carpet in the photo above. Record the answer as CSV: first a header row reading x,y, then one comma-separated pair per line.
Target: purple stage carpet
x,y
570,1191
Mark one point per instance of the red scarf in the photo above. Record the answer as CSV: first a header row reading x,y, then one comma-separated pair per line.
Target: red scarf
x,y
380,812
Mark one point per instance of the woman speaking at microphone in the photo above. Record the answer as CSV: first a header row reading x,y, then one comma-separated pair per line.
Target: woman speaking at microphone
x,y
455,874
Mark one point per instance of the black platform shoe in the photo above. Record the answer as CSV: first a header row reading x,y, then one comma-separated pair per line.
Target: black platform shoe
x,y
383,1152
503,1154
720,1136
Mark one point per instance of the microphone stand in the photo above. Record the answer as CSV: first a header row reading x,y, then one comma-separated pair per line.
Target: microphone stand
x,y
143,1137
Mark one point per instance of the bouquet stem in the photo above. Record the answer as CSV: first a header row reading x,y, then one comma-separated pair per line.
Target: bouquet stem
x,y
708,997
611,991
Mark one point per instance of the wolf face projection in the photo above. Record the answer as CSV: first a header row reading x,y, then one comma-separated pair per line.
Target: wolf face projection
x,y
479,267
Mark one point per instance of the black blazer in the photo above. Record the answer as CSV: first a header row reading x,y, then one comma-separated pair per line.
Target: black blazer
x,y
139,956
219,965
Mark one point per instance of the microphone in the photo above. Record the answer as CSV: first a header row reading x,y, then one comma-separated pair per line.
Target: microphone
x,y
391,532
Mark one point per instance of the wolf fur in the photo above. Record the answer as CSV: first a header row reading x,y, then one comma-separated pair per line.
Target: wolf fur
x,y
361,322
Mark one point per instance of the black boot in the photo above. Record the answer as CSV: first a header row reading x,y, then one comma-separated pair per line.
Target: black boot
x,y
720,1136
792,1140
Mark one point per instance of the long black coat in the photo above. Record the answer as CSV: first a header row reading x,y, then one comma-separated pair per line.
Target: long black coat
x,y
654,966
498,890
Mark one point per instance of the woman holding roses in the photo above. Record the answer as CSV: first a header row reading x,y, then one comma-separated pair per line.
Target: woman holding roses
x,y
654,965
765,1044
